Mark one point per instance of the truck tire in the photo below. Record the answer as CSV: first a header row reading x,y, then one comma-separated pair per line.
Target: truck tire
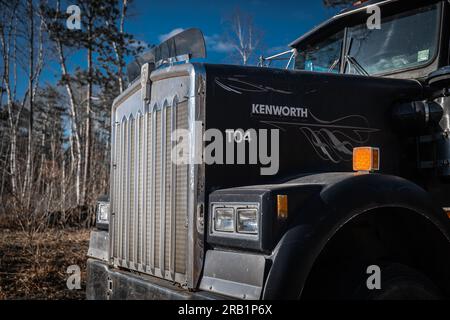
x,y
398,282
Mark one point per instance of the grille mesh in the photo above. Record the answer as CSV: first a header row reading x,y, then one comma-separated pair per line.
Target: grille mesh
x,y
149,195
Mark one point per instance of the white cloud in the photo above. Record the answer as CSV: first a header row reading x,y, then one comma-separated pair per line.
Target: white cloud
x,y
138,44
217,44
164,37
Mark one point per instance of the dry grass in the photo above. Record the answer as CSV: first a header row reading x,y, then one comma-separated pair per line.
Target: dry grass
x,y
36,268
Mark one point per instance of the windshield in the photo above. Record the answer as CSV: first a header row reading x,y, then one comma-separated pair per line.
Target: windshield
x,y
404,41
407,40
322,57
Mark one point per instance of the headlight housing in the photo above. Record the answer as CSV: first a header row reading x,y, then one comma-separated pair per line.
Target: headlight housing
x,y
102,214
257,226
235,220
224,219
247,220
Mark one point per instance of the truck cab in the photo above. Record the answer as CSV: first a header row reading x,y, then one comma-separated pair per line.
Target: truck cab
x,y
409,41
328,181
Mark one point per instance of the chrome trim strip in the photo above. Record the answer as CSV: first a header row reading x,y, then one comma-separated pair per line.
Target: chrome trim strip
x,y
162,207
144,190
117,187
113,183
126,256
121,221
133,88
173,188
135,212
191,167
152,201
195,252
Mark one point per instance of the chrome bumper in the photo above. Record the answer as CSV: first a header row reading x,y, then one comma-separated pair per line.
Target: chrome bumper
x,y
105,283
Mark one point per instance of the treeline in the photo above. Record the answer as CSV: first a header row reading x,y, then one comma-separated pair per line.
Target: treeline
x,y
54,133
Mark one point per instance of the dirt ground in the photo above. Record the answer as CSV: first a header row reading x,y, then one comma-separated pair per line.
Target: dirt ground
x,y
36,269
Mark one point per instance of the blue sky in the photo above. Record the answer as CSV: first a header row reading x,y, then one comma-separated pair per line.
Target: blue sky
x,y
281,21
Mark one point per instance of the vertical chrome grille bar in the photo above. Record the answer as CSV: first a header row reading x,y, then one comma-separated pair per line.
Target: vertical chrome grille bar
x,y
130,234
152,203
130,216
173,187
116,191
128,195
145,165
143,189
158,170
138,193
118,194
148,194
121,193
181,195
136,208
168,185
124,189
162,221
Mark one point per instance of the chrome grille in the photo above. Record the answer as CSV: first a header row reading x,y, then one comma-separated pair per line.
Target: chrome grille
x,y
149,194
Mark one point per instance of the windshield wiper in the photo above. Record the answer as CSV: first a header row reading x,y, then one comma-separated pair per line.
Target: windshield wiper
x,y
348,58
358,67
334,64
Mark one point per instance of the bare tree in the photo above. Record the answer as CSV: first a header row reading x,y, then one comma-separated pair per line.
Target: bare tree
x,y
243,35
7,32
59,36
34,71
54,139
118,47
90,43
14,41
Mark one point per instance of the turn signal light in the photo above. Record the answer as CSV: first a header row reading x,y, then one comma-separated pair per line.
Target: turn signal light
x,y
282,207
366,159
447,211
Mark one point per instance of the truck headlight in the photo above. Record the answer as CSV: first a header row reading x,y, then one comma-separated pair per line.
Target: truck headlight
x,y
102,215
224,219
235,220
247,220
254,219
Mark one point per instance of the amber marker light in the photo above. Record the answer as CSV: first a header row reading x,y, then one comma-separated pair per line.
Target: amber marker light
x,y
447,211
282,207
366,159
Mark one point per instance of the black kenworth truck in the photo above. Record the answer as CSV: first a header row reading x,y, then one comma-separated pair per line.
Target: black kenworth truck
x,y
330,179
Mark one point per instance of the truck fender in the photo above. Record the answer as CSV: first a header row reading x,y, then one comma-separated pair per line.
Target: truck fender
x,y
343,197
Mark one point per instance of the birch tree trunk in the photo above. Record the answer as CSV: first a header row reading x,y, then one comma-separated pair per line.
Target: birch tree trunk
x,y
75,133
117,52
6,32
73,120
87,137
27,179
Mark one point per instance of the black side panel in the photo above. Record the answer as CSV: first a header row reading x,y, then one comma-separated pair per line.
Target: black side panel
x,y
343,112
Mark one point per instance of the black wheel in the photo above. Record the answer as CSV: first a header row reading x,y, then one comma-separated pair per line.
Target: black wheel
x,y
398,282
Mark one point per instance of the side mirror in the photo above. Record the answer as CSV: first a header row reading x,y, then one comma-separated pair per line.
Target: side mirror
x,y
439,81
